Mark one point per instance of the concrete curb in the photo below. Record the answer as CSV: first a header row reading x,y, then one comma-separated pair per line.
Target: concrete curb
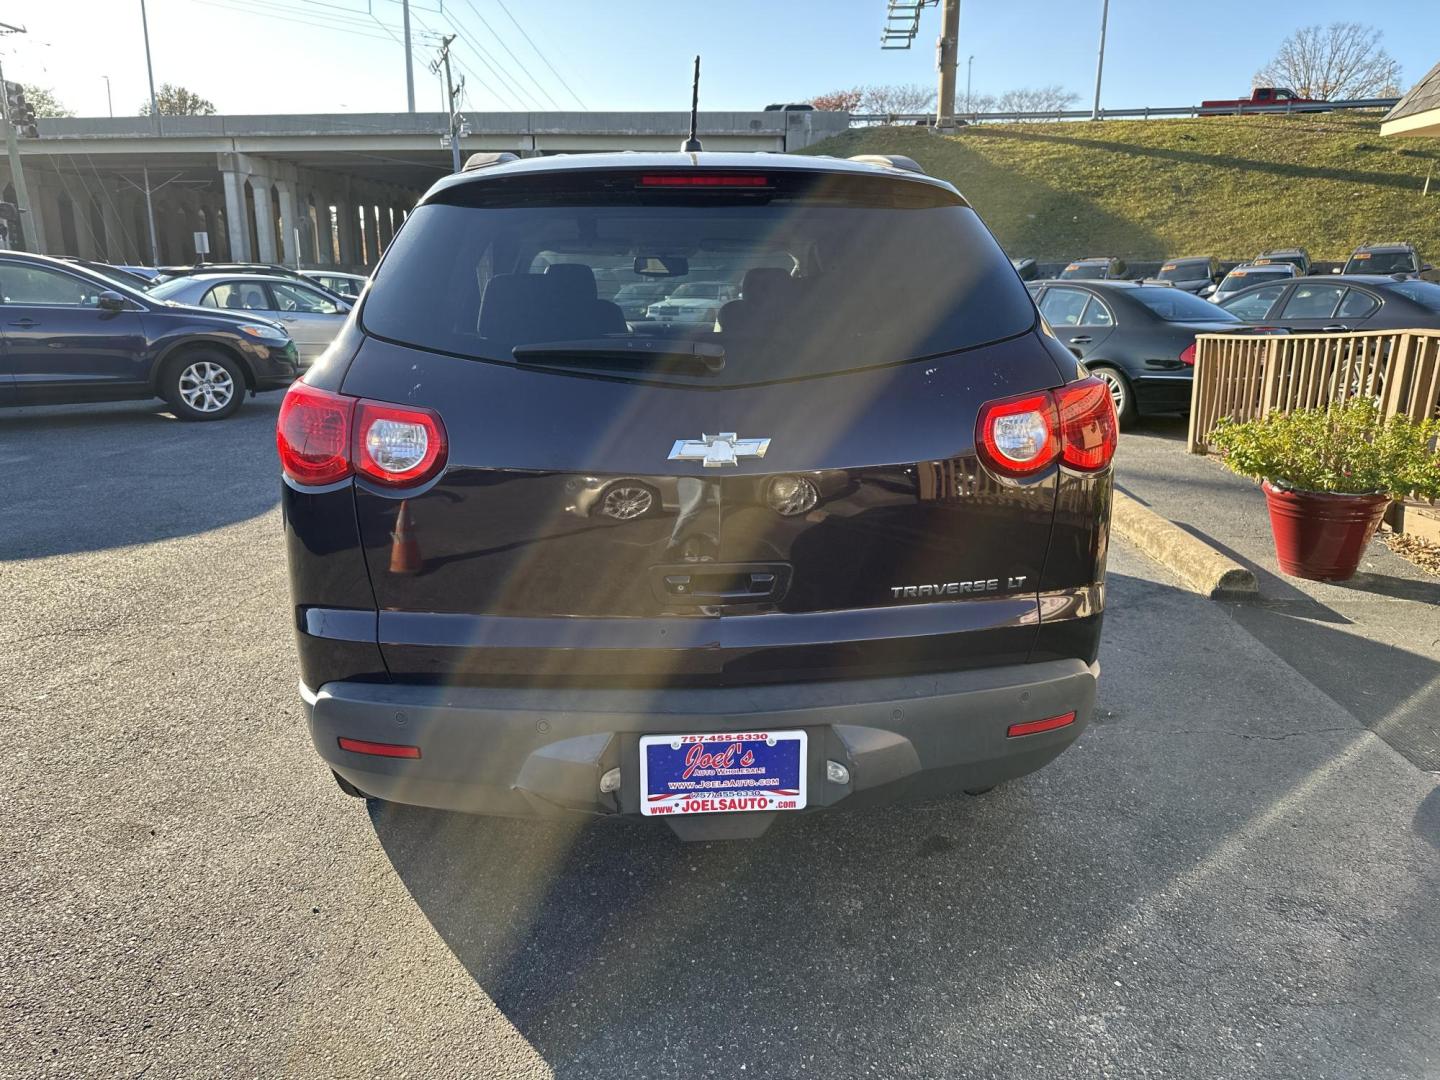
x,y
1203,569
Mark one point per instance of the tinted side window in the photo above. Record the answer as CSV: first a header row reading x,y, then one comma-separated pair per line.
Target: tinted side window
x,y
41,285
238,296
1063,307
1255,305
1312,302
1357,305
1097,314
299,298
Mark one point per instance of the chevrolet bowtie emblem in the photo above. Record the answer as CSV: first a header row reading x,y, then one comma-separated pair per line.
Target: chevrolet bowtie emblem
x,y
713,451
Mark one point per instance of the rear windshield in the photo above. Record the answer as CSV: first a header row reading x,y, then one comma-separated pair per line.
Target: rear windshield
x,y
1177,305
1084,271
1239,279
1191,270
809,275
1424,293
1381,262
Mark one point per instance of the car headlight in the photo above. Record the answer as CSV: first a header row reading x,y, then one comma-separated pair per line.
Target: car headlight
x,y
265,333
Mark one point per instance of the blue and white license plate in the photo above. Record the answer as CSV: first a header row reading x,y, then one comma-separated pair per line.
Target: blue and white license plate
x,y
724,773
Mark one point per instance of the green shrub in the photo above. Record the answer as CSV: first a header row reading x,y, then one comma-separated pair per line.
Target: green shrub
x,y
1346,449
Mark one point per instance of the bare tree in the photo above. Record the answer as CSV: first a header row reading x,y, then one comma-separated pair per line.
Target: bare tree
x,y
177,101
1039,99
840,100
899,98
1334,63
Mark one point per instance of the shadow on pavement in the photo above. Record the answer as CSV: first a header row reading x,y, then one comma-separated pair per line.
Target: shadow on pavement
x,y
94,477
939,938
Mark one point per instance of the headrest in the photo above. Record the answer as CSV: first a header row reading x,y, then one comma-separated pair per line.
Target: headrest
x,y
575,279
764,280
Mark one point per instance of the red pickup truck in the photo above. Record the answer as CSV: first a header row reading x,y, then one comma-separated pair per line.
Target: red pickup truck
x,y
1261,95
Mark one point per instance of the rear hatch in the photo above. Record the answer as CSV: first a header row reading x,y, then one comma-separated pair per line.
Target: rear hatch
x,y
788,492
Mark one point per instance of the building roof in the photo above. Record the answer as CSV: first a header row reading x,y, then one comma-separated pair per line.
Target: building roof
x,y
1418,112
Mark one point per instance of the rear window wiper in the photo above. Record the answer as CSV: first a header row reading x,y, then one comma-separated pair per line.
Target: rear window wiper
x,y
641,353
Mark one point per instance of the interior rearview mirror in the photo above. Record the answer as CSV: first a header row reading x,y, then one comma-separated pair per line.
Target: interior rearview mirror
x,y
110,300
662,265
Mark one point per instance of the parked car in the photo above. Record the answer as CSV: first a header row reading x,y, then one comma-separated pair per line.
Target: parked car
x,y
71,335
149,273
636,297
1348,302
1140,339
341,284
1399,258
1028,269
1094,269
114,273
1297,257
1248,274
166,273
310,315
693,302
467,641
1195,274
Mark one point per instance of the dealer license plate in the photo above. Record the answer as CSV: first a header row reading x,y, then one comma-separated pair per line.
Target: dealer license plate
x,y
724,773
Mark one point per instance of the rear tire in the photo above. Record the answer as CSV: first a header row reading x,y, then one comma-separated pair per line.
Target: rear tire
x,y
1121,392
203,384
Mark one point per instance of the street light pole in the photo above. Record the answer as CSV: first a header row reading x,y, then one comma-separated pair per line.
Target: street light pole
x,y
1100,63
946,53
109,101
969,69
150,71
409,64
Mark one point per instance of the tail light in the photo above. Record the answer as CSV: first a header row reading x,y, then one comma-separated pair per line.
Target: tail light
x,y
324,437
1188,356
1075,425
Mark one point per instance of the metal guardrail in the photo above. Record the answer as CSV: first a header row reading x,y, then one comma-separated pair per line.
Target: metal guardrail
x,y
1246,376
1119,114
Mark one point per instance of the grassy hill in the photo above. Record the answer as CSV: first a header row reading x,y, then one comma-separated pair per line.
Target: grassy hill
x,y
1149,189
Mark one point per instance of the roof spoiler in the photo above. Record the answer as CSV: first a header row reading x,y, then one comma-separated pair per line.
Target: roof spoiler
x,y
891,161
484,161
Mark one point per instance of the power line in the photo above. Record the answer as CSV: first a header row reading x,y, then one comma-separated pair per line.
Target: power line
x,y
542,56
466,68
501,42
483,55
249,10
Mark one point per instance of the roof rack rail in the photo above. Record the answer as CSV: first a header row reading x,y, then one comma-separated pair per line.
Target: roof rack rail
x,y
890,161
484,161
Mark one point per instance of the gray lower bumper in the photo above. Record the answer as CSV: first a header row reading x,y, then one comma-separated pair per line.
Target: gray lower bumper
x,y
539,752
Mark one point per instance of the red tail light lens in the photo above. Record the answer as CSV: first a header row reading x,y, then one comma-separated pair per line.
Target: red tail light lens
x,y
1075,424
313,435
396,445
1034,727
378,749
729,180
1188,356
1018,436
1089,429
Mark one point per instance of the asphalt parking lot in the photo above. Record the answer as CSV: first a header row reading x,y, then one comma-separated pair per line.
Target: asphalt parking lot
x,y
1228,876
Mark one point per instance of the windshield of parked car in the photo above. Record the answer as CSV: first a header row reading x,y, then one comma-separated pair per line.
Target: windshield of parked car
x,y
811,275
1381,262
1424,293
1242,279
1084,271
1191,270
1177,305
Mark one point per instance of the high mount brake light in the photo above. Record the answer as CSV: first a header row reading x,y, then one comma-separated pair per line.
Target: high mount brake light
x,y
1074,425
726,180
324,437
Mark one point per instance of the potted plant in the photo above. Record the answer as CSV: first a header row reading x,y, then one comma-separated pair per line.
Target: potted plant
x,y
1328,477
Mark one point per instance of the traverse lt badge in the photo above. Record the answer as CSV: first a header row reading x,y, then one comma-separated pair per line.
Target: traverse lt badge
x,y
713,451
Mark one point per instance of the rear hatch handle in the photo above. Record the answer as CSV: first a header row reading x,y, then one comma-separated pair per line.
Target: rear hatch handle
x,y
720,583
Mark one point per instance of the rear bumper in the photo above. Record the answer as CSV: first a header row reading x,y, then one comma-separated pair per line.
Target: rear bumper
x,y
1164,393
542,752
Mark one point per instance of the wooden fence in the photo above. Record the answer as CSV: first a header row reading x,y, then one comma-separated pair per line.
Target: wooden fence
x,y
1244,376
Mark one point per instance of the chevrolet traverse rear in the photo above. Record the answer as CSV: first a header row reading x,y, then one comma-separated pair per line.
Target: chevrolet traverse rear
x,y
842,543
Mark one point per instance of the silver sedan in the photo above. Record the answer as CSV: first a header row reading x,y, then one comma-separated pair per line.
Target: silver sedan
x,y
311,317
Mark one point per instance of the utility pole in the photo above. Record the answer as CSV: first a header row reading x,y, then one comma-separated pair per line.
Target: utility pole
x,y
150,71
150,217
109,101
409,65
946,53
34,233
969,70
1100,62
450,92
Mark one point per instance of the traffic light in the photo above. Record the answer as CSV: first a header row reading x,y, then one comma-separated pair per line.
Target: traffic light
x,y
20,112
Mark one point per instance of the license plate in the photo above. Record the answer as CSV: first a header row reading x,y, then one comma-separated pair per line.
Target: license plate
x,y
725,773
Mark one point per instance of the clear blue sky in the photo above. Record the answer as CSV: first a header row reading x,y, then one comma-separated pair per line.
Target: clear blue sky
x,y
259,56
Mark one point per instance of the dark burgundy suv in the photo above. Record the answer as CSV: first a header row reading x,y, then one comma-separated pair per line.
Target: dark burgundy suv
x,y
843,543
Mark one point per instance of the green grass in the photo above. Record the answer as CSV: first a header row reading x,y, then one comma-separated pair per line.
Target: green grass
x,y
1226,186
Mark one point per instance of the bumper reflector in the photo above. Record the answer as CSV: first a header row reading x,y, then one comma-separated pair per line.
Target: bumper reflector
x,y
378,749
1033,727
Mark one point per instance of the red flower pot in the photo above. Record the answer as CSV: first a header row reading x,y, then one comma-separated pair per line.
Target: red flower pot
x,y
1319,535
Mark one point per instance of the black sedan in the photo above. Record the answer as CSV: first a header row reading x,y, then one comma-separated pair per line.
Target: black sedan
x,y
71,335
1139,338
1336,303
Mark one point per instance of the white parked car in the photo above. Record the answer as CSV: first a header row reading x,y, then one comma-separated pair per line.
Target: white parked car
x,y
311,317
693,302
341,284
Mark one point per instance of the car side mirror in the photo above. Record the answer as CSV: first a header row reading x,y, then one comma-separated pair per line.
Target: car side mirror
x,y
1208,290
110,300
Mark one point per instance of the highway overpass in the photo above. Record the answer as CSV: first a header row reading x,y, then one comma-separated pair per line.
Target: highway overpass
x,y
320,189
